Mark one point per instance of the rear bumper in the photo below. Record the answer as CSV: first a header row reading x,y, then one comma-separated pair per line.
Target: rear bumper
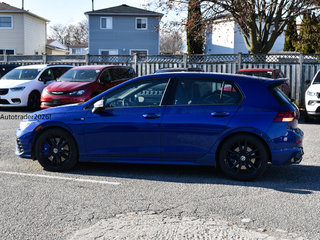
x,y
287,156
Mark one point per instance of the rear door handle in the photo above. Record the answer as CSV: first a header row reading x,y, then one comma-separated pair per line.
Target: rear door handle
x,y
151,115
220,114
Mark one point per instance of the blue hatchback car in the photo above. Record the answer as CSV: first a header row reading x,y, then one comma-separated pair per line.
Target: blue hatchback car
x,y
237,123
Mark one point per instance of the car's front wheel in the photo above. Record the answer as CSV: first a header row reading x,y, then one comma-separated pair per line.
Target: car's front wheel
x,y
56,150
34,101
243,157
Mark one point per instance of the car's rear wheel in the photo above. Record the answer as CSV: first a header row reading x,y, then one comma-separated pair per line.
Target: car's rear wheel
x,y
243,157
34,101
56,150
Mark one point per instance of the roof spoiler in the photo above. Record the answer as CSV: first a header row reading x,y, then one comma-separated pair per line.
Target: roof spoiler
x,y
276,82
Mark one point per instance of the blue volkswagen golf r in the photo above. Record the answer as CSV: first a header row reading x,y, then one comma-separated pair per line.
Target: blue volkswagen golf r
x,y
237,123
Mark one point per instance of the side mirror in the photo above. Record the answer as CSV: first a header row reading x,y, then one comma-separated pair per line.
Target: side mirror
x,y
98,106
308,82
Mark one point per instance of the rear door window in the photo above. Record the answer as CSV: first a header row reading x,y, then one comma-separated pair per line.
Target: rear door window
x,y
206,91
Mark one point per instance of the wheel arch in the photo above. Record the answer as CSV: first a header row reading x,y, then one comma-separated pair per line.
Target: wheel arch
x,y
239,133
42,130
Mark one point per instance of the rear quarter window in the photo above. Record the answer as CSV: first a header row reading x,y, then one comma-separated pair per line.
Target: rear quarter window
x,y
281,97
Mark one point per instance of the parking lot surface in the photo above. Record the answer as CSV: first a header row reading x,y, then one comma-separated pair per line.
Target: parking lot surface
x,y
125,201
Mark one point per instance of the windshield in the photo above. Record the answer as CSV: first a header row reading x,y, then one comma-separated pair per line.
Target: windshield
x,y
316,79
80,75
21,74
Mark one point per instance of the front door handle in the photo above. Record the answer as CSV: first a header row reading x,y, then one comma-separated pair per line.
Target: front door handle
x,y
151,115
220,114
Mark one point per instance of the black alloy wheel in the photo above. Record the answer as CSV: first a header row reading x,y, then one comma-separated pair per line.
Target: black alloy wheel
x,y
243,157
56,150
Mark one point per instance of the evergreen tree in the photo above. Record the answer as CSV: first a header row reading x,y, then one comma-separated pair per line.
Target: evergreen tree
x,y
195,31
309,35
291,36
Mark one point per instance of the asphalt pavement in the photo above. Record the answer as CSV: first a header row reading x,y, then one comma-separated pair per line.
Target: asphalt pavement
x,y
126,201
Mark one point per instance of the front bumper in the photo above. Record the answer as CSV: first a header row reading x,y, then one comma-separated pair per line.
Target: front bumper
x,y
14,99
49,101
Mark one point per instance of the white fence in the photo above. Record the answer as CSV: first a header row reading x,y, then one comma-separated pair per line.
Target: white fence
x,y
297,67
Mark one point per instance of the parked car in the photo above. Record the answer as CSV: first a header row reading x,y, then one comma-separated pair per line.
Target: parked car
x,y
82,83
268,73
174,118
23,85
312,98
5,68
166,70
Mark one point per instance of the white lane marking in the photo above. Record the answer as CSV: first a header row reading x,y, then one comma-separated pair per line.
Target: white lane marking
x,y
59,178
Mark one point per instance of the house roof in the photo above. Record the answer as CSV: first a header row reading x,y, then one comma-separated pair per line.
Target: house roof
x,y
124,10
6,8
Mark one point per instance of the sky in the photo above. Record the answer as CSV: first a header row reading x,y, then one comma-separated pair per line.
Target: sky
x,y
68,11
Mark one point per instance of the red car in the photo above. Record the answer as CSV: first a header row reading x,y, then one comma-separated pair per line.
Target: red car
x,y
268,73
79,84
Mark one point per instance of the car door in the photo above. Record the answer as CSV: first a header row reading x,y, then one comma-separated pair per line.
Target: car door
x,y
198,114
129,126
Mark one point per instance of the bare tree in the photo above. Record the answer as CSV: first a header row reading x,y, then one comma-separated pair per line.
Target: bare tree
x,y
171,42
261,21
71,34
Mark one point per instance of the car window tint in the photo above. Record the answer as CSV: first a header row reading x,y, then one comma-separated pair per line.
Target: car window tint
x,y
137,94
105,76
58,71
47,75
196,91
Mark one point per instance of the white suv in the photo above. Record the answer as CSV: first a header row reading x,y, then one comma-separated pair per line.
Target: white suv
x,y
312,98
23,85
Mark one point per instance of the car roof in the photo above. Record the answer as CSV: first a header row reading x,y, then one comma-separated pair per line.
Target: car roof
x,y
41,66
99,67
257,70
225,76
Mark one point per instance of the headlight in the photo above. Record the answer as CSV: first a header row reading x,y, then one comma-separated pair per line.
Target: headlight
x,y
24,124
45,91
311,93
78,92
16,89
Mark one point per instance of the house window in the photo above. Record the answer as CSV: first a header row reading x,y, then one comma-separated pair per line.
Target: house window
x,y
141,23
108,51
6,22
7,51
106,22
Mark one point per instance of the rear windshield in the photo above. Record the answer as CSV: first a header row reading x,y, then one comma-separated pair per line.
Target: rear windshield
x,y
21,74
80,75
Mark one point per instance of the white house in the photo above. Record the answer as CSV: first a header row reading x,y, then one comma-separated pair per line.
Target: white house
x,y
225,37
21,31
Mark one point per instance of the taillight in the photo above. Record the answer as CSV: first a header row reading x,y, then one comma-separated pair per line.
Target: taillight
x,y
285,116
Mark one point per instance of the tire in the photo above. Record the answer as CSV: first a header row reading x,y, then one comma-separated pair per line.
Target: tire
x,y
56,150
308,118
243,157
34,101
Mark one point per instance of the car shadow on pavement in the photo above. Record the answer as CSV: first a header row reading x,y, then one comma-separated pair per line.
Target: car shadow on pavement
x,y
14,109
298,179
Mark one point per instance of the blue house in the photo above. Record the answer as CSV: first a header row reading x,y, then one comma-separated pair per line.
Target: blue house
x,y
124,30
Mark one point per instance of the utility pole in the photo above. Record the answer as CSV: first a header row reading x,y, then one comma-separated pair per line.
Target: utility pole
x,y
92,5
23,4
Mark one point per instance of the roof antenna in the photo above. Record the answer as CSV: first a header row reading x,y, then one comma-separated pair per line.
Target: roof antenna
x,y
92,5
22,4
